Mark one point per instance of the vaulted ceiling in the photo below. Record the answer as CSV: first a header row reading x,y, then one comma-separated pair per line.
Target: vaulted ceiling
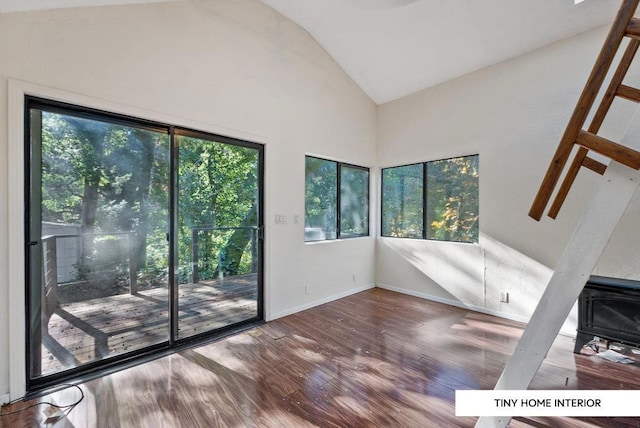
x,y
392,48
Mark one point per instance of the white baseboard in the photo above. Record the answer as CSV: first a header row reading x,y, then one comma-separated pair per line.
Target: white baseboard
x,y
320,302
459,304
4,399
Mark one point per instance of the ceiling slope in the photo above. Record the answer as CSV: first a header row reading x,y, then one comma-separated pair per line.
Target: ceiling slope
x,y
392,48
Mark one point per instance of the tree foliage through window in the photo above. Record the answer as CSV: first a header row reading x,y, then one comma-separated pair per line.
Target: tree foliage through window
x,y
450,211
107,182
336,200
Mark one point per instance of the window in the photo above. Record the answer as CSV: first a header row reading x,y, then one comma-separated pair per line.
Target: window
x,y
452,199
433,200
336,200
354,201
321,195
403,193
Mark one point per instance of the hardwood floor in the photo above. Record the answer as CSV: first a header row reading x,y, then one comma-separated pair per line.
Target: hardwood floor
x,y
377,358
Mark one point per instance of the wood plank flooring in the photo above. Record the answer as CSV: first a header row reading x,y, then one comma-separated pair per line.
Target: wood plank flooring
x,y
374,359
85,331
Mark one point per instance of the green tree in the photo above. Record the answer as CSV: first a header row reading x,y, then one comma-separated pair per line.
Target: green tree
x,y
452,204
110,178
402,196
321,181
218,193
106,178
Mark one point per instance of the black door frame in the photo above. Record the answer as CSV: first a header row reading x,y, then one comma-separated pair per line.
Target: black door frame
x,y
32,244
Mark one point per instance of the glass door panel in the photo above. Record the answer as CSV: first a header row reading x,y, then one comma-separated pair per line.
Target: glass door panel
x,y
138,235
217,233
98,264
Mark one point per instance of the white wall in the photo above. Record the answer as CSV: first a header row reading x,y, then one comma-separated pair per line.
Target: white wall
x,y
4,251
230,66
512,115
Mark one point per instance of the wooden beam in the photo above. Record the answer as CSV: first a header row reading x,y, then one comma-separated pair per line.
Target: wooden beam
x,y
629,93
585,102
633,29
614,86
581,158
610,149
594,165
567,182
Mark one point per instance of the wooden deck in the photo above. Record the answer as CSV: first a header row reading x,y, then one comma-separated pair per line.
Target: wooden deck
x,y
373,359
90,330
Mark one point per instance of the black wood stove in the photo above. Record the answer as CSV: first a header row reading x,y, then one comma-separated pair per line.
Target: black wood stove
x,y
610,309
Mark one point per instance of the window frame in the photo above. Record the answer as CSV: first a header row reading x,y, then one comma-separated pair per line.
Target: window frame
x,y
173,129
425,191
338,208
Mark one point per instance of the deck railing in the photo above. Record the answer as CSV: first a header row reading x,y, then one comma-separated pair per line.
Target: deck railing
x,y
56,261
51,256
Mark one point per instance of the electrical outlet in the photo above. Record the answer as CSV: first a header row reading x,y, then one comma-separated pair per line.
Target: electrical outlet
x,y
281,219
354,277
307,289
504,296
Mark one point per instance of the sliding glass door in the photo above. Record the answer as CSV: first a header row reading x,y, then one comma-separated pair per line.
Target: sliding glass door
x,y
218,202
139,235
